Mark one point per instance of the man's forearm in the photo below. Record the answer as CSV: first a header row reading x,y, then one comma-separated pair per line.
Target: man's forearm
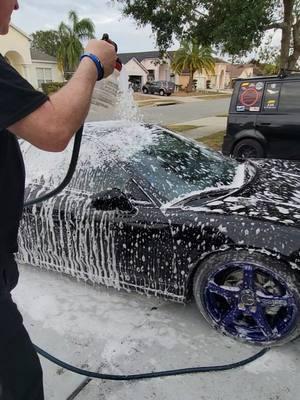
x,y
77,94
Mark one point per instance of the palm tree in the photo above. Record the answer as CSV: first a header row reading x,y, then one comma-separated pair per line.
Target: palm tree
x,y
70,37
193,57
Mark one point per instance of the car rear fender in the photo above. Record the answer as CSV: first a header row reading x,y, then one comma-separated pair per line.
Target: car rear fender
x,y
250,134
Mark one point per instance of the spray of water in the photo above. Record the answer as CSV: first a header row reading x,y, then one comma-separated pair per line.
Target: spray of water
x,y
126,108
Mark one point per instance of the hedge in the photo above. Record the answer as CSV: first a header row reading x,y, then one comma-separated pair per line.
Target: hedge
x,y
52,87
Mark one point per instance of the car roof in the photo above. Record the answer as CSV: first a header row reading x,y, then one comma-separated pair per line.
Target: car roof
x,y
294,76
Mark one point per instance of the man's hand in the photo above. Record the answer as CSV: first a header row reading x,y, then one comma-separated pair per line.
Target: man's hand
x,y
105,52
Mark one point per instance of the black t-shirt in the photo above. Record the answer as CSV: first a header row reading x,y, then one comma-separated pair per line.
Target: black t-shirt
x,y
17,100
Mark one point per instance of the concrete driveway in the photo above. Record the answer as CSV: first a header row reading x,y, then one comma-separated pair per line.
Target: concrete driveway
x,y
122,333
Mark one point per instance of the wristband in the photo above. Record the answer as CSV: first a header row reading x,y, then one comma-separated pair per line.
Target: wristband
x,y
97,62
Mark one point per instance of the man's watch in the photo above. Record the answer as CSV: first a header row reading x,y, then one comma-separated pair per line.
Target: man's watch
x,y
97,62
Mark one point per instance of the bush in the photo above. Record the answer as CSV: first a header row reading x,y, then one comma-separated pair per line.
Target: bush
x,y
52,87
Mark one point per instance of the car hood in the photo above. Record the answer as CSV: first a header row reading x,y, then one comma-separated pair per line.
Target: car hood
x,y
272,195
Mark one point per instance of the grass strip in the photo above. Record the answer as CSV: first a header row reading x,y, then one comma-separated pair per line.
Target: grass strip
x,y
214,97
182,128
213,141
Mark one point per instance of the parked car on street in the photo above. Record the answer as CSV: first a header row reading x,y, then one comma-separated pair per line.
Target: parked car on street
x,y
264,118
150,211
161,87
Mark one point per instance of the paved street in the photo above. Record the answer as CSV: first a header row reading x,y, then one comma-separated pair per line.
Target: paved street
x,y
179,113
119,333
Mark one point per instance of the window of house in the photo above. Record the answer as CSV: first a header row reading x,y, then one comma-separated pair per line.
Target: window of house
x,y
289,97
271,98
250,97
44,75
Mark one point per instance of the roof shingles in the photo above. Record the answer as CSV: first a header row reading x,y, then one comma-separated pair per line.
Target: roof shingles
x,y
38,55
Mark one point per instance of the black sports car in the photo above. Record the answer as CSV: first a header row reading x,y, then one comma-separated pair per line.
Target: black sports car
x,y
150,211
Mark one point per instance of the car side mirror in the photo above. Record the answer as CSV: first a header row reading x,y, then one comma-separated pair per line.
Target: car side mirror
x,y
110,200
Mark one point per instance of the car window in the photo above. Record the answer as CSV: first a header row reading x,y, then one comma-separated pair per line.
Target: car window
x,y
271,97
175,167
290,97
97,178
250,97
96,170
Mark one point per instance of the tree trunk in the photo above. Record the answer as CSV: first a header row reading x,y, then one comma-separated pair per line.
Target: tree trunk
x,y
293,58
286,33
189,88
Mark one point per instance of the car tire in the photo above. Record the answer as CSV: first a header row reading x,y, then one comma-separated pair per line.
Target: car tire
x,y
145,91
168,94
249,296
161,92
248,148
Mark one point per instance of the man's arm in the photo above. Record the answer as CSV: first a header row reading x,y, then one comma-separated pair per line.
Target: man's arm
x,y
52,125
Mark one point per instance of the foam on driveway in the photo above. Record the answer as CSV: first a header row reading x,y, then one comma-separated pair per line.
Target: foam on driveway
x,y
124,333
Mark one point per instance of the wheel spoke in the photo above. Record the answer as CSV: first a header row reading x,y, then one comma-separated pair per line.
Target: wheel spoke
x,y
269,300
262,322
248,278
228,292
230,316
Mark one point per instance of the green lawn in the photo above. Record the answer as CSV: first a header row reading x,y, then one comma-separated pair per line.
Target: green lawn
x,y
213,97
182,128
213,141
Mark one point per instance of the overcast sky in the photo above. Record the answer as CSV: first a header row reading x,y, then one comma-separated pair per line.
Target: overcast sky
x,y
36,15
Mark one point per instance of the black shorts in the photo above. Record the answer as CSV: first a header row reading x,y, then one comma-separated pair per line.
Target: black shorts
x,y
20,369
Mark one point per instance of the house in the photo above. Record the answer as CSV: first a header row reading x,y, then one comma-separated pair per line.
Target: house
x,y
152,66
239,71
216,80
34,65
147,66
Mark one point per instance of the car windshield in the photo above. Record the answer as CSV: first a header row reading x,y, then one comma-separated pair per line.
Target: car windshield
x,y
175,167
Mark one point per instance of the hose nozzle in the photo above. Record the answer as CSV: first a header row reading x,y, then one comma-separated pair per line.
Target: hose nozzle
x,y
107,39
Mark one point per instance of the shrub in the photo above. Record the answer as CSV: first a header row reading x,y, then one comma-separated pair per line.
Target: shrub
x,y
52,87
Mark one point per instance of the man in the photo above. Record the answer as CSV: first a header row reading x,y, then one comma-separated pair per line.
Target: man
x,y
48,123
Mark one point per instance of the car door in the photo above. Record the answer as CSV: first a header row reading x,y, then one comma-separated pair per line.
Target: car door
x,y
279,121
125,249
152,86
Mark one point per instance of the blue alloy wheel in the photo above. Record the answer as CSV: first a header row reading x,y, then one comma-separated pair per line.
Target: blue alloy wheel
x,y
249,300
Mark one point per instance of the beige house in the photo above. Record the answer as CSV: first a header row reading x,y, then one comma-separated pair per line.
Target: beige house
x,y
239,71
158,68
34,65
216,80
147,66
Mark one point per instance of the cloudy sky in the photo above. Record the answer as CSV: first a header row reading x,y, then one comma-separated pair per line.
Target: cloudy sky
x,y
47,14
